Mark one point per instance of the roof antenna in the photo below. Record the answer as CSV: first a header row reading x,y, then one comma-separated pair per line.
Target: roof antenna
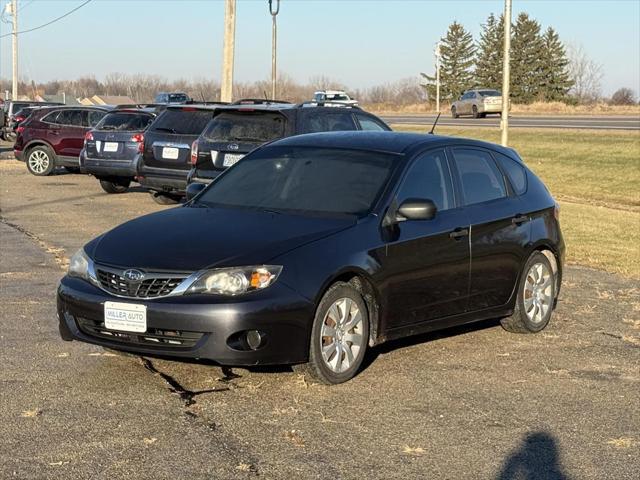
x,y
434,124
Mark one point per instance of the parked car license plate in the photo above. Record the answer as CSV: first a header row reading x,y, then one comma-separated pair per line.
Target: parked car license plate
x,y
110,146
170,153
231,158
125,317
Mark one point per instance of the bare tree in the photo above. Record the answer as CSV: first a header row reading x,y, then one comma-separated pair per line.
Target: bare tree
x,y
586,75
623,96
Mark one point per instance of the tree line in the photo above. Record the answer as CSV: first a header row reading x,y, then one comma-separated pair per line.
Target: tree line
x,y
542,68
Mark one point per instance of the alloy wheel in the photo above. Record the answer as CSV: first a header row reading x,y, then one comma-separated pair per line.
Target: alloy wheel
x,y
341,335
538,292
39,161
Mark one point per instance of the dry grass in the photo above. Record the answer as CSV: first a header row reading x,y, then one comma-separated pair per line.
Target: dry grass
x,y
536,108
596,178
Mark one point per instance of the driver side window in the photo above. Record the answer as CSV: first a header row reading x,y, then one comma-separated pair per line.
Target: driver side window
x,y
428,177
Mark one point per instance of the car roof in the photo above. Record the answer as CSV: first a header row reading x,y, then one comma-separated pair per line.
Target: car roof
x,y
389,142
195,106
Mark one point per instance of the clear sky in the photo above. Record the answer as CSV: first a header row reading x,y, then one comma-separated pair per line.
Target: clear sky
x,y
358,42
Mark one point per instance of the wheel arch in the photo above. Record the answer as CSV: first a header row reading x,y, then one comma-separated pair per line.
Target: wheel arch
x,y
38,143
362,282
553,255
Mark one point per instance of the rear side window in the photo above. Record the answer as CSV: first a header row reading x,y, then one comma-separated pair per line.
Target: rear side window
x,y
369,124
125,121
428,178
480,177
245,127
183,121
327,122
516,172
72,118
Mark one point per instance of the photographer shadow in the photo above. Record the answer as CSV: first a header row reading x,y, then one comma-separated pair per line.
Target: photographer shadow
x,y
537,458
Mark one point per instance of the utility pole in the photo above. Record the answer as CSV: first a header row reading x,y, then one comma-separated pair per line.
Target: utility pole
x,y
274,43
438,77
506,72
14,38
226,88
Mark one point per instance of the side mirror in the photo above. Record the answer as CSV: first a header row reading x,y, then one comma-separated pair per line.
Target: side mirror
x,y
194,189
416,209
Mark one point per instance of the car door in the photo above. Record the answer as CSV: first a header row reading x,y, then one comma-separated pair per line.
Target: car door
x,y
499,232
426,264
70,128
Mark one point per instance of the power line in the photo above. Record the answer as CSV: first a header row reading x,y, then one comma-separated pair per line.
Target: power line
x,y
50,22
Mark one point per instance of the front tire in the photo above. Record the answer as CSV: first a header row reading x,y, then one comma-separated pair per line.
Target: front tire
x,y
40,161
476,114
339,336
536,297
120,186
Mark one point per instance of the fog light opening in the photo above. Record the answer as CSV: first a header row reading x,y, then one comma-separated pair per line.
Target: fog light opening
x,y
254,339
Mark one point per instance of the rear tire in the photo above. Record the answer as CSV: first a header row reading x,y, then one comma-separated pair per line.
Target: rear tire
x,y
164,199
120,186
339,336
454,112
536,297
40,161
476,114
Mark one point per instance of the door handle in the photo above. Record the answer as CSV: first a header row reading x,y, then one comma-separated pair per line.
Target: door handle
x,y
458,233
519,219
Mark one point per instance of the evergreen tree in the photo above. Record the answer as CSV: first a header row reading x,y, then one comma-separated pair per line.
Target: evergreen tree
x,y
527,58
457,58
555,81
488,72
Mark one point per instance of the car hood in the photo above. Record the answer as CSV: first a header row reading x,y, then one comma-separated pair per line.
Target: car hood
x,y
188,239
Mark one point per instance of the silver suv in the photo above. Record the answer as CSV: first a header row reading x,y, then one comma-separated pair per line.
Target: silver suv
x,y
477,103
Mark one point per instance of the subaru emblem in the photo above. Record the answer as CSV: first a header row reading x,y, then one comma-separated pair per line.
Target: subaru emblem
x,y
233,146
133,275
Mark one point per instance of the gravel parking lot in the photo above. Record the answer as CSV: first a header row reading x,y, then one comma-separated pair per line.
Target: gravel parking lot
x,y
472,402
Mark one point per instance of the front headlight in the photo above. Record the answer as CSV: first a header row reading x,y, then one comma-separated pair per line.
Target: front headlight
x,y
235,281
81,266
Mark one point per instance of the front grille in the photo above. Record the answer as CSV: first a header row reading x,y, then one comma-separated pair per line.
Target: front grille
x,y
157,285
153,337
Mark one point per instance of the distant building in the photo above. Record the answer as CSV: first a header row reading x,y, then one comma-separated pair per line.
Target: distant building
x,y
58,98
108,100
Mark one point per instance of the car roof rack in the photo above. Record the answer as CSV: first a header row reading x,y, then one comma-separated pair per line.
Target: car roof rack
x,y
329,103
258,101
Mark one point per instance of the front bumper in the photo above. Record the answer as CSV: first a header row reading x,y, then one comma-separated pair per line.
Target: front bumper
x,y
210,325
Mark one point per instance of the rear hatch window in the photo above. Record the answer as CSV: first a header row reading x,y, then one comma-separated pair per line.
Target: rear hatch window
x,y
254,127
182,121
125,121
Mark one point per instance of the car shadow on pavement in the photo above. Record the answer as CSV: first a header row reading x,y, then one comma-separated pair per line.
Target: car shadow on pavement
x,y
373,353
536,458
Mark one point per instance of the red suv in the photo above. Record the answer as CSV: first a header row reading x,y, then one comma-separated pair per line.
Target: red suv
x,y
54,136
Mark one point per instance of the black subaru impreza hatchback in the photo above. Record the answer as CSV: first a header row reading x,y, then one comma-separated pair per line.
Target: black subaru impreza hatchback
x,y
315,247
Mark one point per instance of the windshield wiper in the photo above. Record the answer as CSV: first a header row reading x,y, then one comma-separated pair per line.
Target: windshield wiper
x,y
165,129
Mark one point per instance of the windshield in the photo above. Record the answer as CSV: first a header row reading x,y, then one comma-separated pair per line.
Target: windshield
x,y
125,121
245,127
178,98
303,180
489,93
187,121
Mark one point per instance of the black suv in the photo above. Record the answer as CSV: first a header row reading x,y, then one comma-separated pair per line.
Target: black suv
x,y
113,148
237,129
166,157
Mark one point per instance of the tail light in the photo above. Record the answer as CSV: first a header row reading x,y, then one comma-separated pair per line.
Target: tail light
x,y
194,152
139,139
88,137
19,129
19,118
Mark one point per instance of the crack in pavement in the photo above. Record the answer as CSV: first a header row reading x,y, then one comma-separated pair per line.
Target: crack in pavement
x,y
57,253
187,396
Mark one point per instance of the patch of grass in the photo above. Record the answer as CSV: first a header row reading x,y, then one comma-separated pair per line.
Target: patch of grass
x,y
595,176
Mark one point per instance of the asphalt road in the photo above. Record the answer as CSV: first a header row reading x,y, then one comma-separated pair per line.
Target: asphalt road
x,y
467,403
588,122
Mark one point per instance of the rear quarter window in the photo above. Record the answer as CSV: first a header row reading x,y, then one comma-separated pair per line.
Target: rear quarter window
x,y
182,121
516,173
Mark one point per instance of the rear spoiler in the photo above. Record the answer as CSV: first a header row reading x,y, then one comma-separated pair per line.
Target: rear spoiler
x,y
258,101
329,103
